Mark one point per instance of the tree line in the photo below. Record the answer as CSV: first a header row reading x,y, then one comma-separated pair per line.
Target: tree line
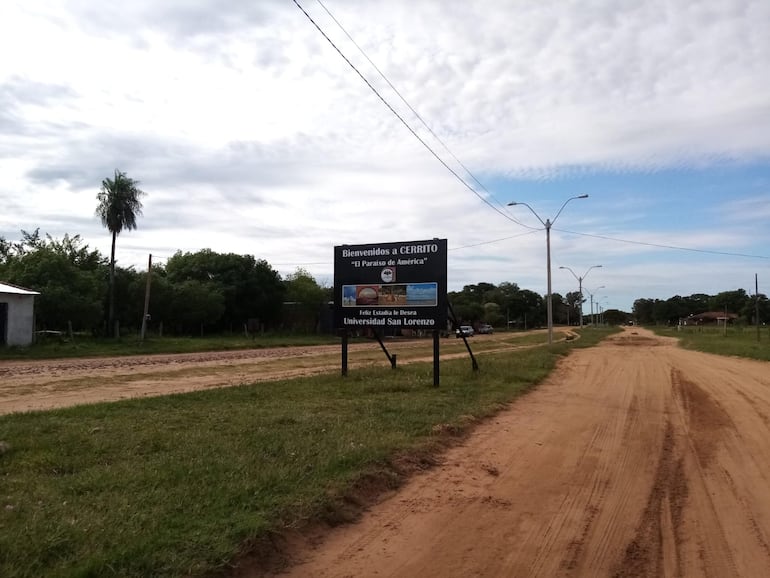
x,y
670,311
509,305
81,290
191,292
206,291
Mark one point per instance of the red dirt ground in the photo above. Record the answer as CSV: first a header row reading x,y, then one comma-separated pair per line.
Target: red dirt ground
x,y
48,384
635,458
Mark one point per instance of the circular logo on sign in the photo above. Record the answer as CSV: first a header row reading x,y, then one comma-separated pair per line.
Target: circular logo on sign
x,y
388,275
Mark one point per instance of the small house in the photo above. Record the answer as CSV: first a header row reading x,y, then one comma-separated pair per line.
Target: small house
x,y
17,315
709,318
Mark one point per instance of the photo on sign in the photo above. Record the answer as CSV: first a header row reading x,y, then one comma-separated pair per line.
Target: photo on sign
x,y
348,295
422,294
411,294
367,294
393,295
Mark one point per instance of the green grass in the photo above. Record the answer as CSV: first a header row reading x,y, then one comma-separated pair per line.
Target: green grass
x,y
531,339
179,485
739,341
83,346
87,346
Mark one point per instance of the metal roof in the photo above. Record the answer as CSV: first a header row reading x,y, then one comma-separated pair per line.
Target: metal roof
x,y
5,288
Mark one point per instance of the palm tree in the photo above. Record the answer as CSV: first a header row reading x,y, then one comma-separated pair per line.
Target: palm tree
x,y
119,205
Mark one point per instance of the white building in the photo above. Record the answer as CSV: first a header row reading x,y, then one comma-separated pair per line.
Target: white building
x,y
17,315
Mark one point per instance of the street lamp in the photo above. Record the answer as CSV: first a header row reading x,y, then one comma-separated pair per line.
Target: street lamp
x,y
547,224
592,301
580,287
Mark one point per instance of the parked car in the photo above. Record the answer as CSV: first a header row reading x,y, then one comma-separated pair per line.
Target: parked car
x,y
486,328
466,330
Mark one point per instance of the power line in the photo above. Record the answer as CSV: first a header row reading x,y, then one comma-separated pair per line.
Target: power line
x,y
299,264
406,124
454,173
663,246
416,114
449,249
494,240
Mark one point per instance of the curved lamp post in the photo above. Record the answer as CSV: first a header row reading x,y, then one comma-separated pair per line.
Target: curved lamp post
x,y
580,287
547,224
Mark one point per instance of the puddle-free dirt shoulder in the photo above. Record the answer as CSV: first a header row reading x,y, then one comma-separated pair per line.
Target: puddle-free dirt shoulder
x,y
636,458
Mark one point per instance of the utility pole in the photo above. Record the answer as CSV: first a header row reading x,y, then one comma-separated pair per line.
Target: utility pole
x,y
146,298
591,294
756,303
725,328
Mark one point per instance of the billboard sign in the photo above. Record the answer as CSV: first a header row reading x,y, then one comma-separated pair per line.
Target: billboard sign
x,y
391,285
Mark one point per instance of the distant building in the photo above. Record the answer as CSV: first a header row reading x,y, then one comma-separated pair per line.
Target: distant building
x,y
17,315
709,318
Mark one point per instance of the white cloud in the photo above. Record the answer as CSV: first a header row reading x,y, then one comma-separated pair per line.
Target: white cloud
x,y
749,210
251,134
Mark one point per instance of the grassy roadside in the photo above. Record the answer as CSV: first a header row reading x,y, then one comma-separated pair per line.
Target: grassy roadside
x,y
84,346
179,485
741,342
81,346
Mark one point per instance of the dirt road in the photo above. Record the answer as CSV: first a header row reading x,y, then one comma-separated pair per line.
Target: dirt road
x,y
636,458
48,384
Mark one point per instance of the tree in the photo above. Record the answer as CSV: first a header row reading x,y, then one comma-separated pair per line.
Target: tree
x,y
197,303
305,298
530,309
502,295
492,314
251,288
479,293
465,306
118,208
68,275
572,302
129,298
643,311
731,301
616,317
561,312
763,304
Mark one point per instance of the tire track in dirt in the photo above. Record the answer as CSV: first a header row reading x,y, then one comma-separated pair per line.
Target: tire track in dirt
x,y
634,459
706,419
648,554
701,436
737,478
715,431
756,406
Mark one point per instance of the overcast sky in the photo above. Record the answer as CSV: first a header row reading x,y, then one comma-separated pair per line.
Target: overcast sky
x,y
251,134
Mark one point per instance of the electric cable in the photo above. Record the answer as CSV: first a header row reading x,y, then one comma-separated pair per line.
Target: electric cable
x,y
454,173
416,114
494,240
663,246
406,124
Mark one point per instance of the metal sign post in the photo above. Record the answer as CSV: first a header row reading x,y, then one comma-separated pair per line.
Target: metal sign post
x,y
344,352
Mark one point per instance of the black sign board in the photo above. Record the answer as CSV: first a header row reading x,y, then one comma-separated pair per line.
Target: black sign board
x,y
391,285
